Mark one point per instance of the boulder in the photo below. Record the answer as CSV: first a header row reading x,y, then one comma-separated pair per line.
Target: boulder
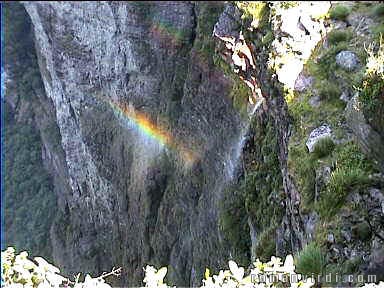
x,y
314,101
303,82
347,60
227,28
310,221
346,234
321,132
331,238
345,96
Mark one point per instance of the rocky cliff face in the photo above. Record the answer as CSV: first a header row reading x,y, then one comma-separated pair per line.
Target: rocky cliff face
x,y
177,143
132,200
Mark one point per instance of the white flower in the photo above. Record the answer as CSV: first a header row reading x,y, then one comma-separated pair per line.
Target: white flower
x,y
46,266
289,267
238,272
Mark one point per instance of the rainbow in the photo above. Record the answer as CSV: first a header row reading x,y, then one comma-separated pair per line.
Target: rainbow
x,y
153,130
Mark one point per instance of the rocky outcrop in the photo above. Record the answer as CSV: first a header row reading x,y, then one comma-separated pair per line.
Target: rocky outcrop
x,y
321,132
369,140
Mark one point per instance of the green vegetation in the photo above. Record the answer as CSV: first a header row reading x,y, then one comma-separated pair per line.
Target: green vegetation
x,y
323,147
326,65
207,17
239,95
302,165
339,186
240,92
339,12
20,55
351,171
378,31
328,90
378,10
352,265
371,91
254,11
29,192
29,199
311,260
300,110
266,245
371,96
234,224
336,36
257,197
263,183
180,35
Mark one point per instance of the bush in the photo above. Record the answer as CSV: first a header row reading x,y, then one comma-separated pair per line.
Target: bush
x,y
311,260
337,36
378,31
371,91
233,224
304,169
326,65
323,147
339,12
328,90
351,171
372,99
378,10
266,244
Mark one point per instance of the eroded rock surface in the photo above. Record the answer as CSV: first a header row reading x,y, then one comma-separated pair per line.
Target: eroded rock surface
x,y
133,200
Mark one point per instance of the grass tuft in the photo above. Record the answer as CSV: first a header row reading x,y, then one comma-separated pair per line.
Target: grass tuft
x,y
378,10
339,12
311,260
328,90
351,172
323,147
337,36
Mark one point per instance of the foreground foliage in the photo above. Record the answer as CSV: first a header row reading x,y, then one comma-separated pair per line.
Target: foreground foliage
x,y
18,271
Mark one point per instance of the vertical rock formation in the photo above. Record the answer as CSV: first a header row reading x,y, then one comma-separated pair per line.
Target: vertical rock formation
x,y
133,199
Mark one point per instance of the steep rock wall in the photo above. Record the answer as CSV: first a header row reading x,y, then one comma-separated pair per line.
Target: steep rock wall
x,y
131,200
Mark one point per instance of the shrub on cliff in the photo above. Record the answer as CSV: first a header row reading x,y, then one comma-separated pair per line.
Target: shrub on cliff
x,y
371,92
323,147
311,260
339,12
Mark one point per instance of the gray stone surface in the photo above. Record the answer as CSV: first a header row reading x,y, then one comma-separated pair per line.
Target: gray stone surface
x,y
131,200
347,60
315,101
345,96
369,140
303,82
321,132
